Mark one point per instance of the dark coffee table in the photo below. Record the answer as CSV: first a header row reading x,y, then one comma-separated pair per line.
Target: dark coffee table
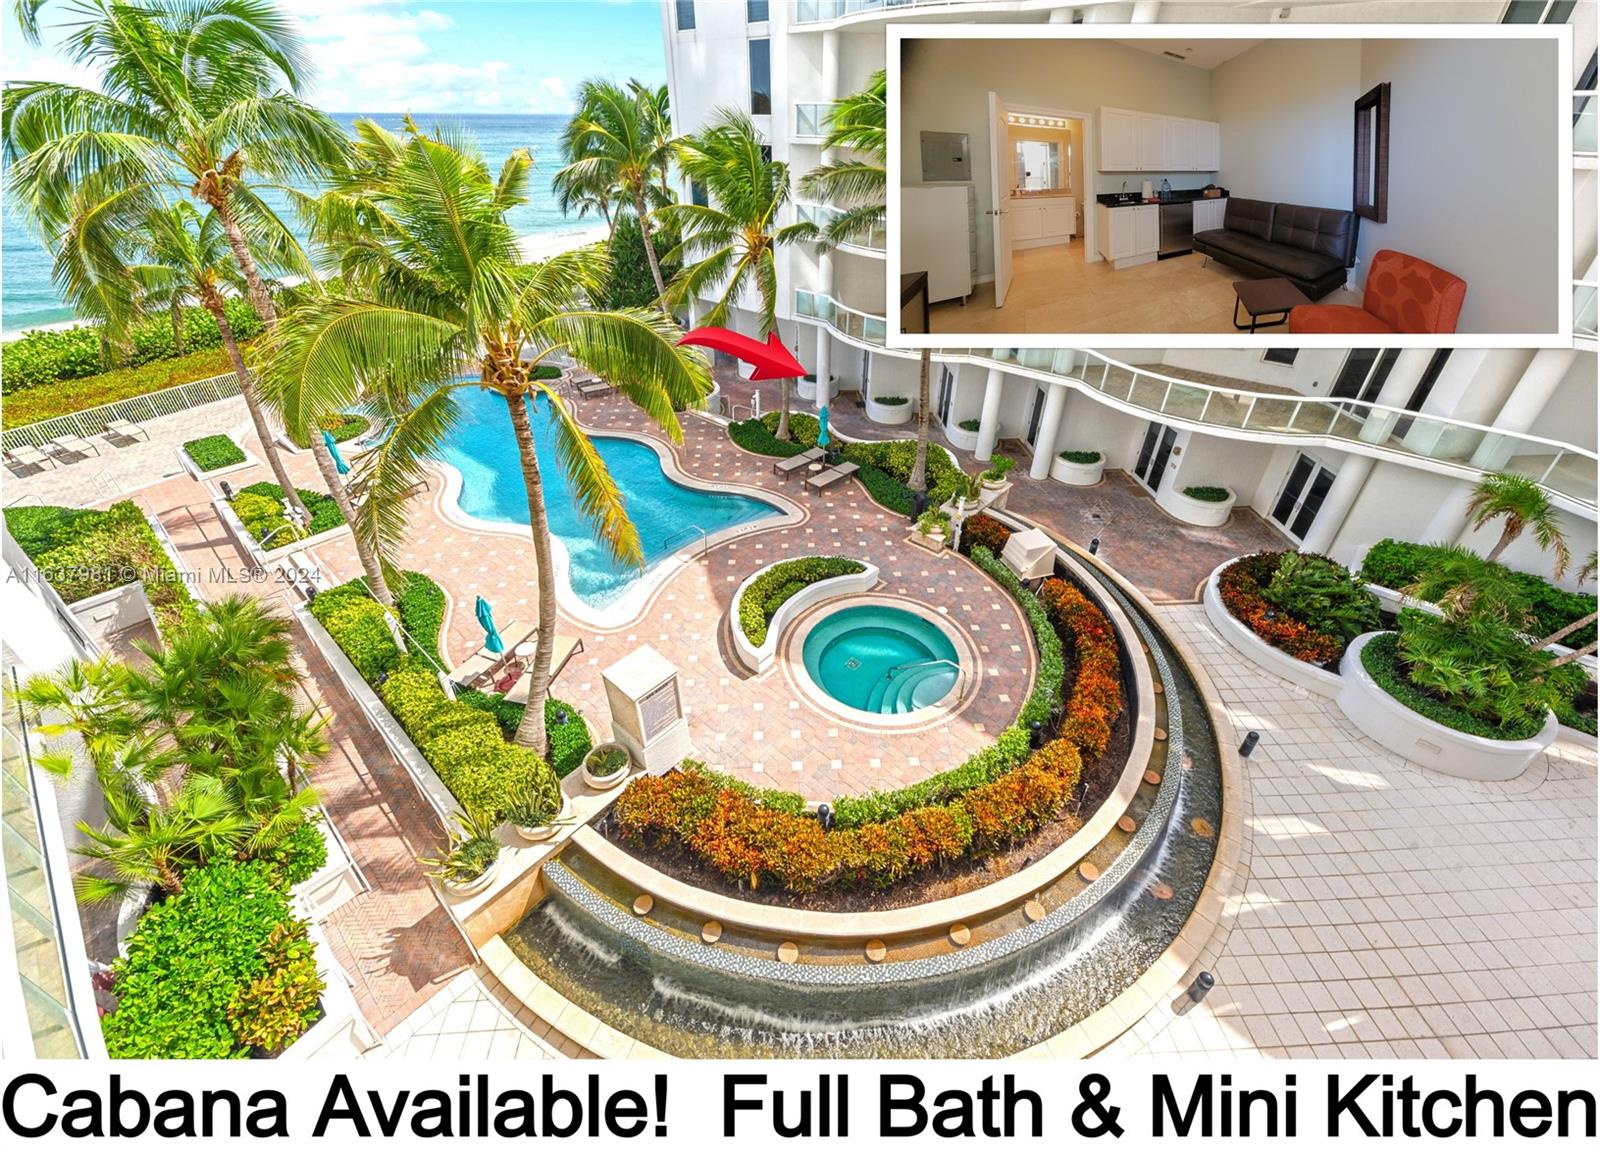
x,y
1272,297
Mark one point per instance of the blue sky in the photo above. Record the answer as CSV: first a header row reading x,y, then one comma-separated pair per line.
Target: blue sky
x,y
441,56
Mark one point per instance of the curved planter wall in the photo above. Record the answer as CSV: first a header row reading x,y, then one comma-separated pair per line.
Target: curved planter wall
x,y
961,438
760,658
889,413
1078,475
1406,733
1202,513
1258,651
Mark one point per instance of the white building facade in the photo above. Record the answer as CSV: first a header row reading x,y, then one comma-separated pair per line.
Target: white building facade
x,y
1336,448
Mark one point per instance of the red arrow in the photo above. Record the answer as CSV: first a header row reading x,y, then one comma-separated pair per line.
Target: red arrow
x,y
772,360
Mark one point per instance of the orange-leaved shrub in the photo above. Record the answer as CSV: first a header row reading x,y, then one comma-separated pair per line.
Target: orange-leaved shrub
x,y
1240,585
1096,698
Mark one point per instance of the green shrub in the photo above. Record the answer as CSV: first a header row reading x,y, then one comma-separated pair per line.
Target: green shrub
x,y
569,742
212,452
273,1009
1396,564
891,401
997,469
544,372
343,426
631,284
361,627
1323,595
1208,493
299,855
1075,457
768,591
187,960
1381,659
65,396
37,528
325,514
969,425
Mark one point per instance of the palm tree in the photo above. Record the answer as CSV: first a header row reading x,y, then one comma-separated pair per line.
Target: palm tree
x,y
1523,505
1585,574
616,142
434,287
657,107
194,96
734,239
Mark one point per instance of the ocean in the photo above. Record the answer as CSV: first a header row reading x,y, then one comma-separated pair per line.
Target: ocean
x,y
29,299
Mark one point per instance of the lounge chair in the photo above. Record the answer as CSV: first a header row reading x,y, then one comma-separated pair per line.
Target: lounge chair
x,y
822,481
592,386
126,430
70,445
29,456
488,671
787,468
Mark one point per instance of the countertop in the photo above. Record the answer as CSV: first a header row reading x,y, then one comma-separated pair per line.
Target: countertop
x,y
1051,195
1176,196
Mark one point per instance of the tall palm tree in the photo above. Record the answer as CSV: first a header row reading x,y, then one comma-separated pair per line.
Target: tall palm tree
x,y
197,96
616,141
730,245
1585,574
1524,506
435,287
657,107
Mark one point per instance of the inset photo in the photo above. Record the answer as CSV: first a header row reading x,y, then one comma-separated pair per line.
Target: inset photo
x,y
1408,186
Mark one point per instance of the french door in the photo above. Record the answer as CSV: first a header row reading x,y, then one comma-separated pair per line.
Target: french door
x,y
1154,454
1363,374
1302,496
1033,418
947,393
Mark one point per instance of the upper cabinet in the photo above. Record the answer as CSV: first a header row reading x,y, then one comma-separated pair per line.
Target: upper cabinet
x,y
1147,142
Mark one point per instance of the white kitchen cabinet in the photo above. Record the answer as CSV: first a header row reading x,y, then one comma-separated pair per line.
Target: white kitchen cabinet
x,y
1207,146
1180,144
1208,214
1058,217
1046,220
1129,235
1153,143
1146,229
1119,140
1025,221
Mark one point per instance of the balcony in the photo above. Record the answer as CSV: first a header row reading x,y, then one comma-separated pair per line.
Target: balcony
x,y
870,244
811,120
1453,446
826,11
1584,107
1583,314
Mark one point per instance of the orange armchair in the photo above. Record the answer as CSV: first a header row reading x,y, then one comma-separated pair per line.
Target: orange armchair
x,y
1404,294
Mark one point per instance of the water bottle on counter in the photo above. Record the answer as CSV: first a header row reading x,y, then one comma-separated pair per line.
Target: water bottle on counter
x,y
1166,188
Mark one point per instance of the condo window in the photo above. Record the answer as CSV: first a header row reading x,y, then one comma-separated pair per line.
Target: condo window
x,y
697,193
756,11
760,77
685,15
1281,355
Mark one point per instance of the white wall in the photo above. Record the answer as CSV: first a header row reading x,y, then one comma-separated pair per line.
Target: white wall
x,y
1472,171
1287,119
1570,414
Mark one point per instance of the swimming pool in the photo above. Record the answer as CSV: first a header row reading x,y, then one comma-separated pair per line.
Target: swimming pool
x,y
667,514
875,658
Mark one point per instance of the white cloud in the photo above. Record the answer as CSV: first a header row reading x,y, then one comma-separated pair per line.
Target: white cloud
x,y
550,95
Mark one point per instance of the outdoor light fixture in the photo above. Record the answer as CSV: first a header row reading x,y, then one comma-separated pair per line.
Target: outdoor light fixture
x,y
1251,739
227,490
825,817
1094,546
1195,993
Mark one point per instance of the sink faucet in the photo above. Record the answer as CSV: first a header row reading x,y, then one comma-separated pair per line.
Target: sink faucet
x,y
1124,187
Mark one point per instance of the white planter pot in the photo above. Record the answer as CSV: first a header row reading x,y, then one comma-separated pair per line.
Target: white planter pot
x,y
933,543
1259,652
541,832
1386,720
1203,513
760,658
477,884
889,413
606,783
1078,475
960,438
805,389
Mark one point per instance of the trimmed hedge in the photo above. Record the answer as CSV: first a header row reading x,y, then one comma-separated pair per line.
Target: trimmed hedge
x,y
83,552
1395,564
1381,659
769,591
191,959
67,396
891,401
1073,457
344,426
212,452
1208,493
260,509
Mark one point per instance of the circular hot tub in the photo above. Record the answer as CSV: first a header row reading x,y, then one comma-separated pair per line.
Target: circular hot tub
x,y
881,660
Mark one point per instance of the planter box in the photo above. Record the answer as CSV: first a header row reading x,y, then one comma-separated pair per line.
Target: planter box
x,y
759,659
1078,475
960,438
890,413
931,543
261,557
193,469
1259,652
1203,513
1382,718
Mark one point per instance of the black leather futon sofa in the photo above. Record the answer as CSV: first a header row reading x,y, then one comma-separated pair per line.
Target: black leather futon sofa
x,y
1312,247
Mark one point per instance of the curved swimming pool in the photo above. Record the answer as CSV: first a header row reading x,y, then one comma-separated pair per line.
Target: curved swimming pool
x,y
668,515
875,658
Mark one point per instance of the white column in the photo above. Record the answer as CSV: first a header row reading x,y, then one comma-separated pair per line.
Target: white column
x,y
1403,380
824,337
989,417
1347,485
830,65
1044,444
1449,520
1522,408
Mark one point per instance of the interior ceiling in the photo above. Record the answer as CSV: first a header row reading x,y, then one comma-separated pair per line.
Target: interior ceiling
x,y
1198,53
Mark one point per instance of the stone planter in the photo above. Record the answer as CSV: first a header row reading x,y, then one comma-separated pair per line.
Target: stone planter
x,y
960,438
880,413
1203,513
1258,651
934,542
477,884
540,832
604,783
806,386
1382,718
1078,475
758,658
193,469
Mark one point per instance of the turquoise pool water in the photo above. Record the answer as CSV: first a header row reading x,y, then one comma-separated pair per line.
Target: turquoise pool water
x,y
667,514
879,659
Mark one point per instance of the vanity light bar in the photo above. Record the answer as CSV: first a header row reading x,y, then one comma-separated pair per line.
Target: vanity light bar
x,y
1036,121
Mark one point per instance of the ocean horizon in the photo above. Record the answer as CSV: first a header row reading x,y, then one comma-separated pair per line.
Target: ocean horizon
x,y
28,298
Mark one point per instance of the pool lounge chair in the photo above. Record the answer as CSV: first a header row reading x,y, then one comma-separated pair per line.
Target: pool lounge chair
x,y
70,445
30,457
126,430
483,669
822,481
787,468
590,386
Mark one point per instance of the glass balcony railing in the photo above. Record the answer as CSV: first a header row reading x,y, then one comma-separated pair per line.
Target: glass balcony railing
x,y
811,120
1584,106
1564,469
1583,310
816,11
822,215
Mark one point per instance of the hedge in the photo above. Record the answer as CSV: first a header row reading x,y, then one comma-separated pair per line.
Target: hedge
x,y
1074,457
66,396
83,552
344,426
1208,493
567,742
264,514
1381,659
769,591
1395,564
463,743
212,452
45,356
1240,585
189,961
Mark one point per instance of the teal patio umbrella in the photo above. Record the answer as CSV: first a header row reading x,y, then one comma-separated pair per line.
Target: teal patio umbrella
x,y
822,427
491,638
332,446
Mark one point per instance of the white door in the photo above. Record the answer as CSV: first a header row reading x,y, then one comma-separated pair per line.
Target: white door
x,y
1180,144
1146,230
1152,143
999,193
1120,243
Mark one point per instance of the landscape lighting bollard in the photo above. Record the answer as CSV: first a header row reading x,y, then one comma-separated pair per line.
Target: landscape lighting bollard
x,y
825,817
1094,546
1195,993
1251,739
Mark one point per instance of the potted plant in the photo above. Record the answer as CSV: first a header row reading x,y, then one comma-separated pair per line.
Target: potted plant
x,y
885,409
933,526
606,766
474,857
1206,505
807,386
963,434
994,476
539,813
1078,467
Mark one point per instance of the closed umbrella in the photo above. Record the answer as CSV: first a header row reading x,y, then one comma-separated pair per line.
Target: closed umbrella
x,y
822,427
332,446
491,638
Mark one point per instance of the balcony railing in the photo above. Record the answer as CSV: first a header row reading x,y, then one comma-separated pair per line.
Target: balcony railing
x,y
811,120
1583,310
822,215
1584,105
1375,429
818,11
